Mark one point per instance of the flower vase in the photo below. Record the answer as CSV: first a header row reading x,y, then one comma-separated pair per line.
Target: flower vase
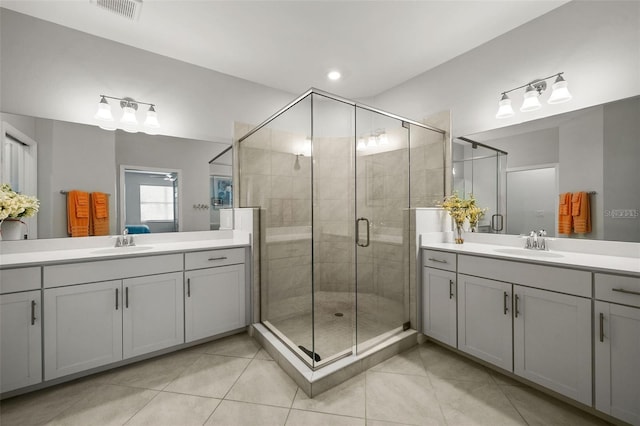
x,y
458,236
11,229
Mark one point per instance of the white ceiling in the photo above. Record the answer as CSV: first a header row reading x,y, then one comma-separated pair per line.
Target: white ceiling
x,y
291,45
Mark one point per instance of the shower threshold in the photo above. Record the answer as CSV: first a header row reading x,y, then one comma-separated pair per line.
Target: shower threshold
x,y
348,365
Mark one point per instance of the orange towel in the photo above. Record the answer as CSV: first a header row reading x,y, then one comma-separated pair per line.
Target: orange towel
x,y
565,220
99,213
78,213
581,212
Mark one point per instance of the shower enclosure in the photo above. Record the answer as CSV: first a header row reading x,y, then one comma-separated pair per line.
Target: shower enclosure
x,y
480,170
335,181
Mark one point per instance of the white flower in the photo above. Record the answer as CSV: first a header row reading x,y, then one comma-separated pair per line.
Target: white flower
x,y
14,205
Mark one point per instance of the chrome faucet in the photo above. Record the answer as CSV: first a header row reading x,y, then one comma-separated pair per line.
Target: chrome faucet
x,y
125,240
537,240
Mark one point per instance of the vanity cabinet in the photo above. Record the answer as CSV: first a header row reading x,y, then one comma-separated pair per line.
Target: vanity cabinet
x,y
214,298
531,319
552,341
20,328
129,310
82,327
20,340
439,297
485,326
152,313
617,346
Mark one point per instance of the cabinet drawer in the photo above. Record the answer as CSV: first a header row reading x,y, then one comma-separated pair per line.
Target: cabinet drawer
x,y
561,280
209,258
618,289
439,259
19,279
104,270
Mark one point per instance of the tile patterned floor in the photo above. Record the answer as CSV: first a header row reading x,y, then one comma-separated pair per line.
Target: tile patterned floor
x,y
234,382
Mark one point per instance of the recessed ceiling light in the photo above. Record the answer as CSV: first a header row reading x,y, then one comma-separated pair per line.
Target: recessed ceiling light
x,y
334,75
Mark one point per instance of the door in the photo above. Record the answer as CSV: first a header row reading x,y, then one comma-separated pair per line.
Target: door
x,y
439,302
552,341
382,232
153,313
20,340
214,301
484,320
617,351
82,327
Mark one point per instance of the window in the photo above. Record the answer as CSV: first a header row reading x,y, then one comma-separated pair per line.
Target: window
x,y
156,203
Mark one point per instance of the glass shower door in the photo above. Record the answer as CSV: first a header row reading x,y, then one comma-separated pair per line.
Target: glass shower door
x,y
382,231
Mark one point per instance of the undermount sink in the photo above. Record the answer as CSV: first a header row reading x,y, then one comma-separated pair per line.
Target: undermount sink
x,y
121,250
529,253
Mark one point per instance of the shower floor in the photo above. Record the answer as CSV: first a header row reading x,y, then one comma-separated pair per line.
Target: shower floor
x,y
335,334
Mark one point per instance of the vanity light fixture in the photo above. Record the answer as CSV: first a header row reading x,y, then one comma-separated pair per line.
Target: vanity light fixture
x,y
361,146
129,120
532,94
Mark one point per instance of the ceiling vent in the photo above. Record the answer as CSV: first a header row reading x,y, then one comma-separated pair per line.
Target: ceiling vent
x,y
129,9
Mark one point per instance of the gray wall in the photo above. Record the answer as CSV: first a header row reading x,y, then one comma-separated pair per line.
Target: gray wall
x,y
596,44
50,71
621,169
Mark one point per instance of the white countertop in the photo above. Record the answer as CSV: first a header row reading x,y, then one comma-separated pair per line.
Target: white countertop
x,y
587,261
44,257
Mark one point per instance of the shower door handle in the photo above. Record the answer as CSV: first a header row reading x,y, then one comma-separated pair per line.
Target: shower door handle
x,y
358,232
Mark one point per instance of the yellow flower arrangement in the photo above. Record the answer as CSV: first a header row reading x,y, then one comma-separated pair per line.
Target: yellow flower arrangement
x,y
461,209
14,205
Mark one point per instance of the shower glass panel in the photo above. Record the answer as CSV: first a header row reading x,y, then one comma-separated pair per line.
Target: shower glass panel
x,y
275,175
331,179
382,202
333,229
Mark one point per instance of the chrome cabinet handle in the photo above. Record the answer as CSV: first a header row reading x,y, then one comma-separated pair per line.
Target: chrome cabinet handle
x,y
358,232
450,289
188,287
126,297
437,260
217,258
515,309
117,299
506,296
601,327
33,312
622,290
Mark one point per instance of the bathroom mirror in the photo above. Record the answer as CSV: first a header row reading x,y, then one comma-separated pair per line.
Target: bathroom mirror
x,y
85,157
595,150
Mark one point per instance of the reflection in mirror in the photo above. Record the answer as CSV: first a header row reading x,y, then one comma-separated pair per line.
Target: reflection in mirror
x,y
84,157
479,170
220,186
593,150
150,200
